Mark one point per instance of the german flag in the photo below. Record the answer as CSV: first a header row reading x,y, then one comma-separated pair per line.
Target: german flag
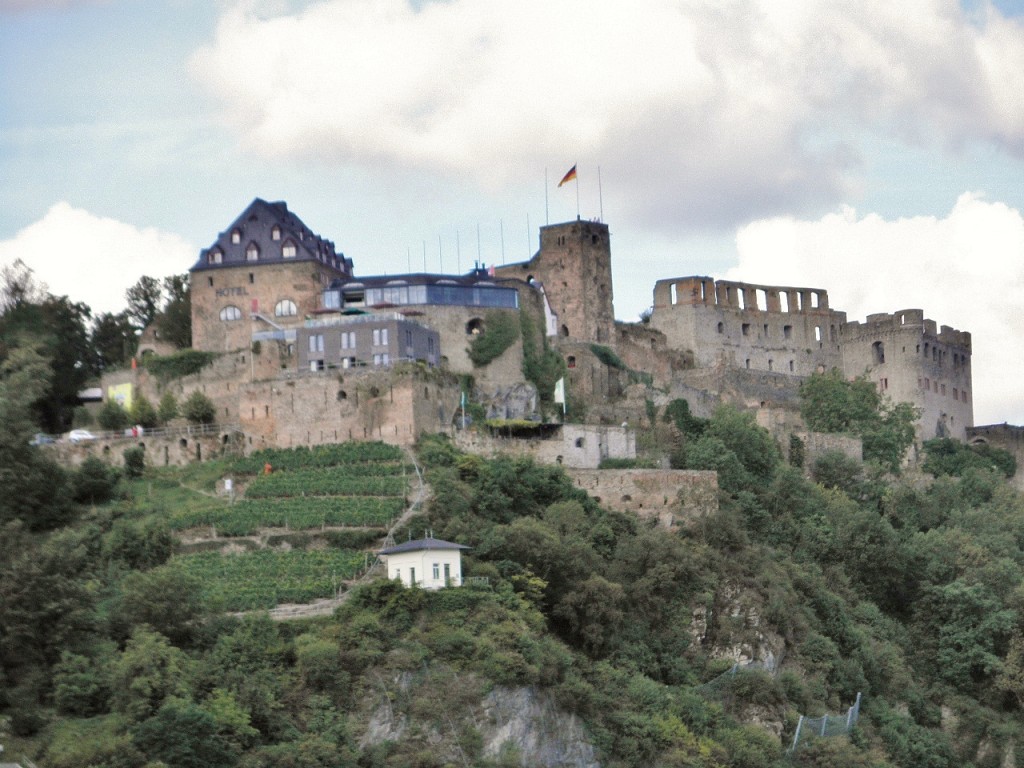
x,y
568,177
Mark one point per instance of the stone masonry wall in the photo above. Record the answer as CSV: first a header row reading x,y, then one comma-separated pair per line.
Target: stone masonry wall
x,y
572,445
670,496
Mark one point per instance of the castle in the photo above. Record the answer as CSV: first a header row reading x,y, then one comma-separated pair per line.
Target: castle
x,y
311,352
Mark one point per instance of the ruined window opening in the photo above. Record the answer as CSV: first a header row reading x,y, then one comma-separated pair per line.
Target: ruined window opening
x,y
593,239
747,362
673,294
878,352
746,329
579,442
926,349
771,364
791,366
565,331
741,298
342,394
209,281
252,278
761,299
766,330
817,333
787,331
935,353
721,327
570,361
784,301
815,300
703,291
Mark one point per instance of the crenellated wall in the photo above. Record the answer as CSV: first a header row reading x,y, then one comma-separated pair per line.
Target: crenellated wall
x,y
911,360
753,327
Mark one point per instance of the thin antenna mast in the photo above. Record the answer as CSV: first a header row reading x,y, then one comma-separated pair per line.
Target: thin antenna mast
x,y
547,218
600,193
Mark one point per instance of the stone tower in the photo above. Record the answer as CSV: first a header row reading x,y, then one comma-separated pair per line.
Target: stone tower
x,y
574,265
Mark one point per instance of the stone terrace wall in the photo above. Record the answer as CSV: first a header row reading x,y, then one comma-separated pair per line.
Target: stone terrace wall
x,y
573,445
670,496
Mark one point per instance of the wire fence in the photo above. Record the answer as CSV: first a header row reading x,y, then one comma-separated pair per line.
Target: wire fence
x,y
721,682
807,727
826,725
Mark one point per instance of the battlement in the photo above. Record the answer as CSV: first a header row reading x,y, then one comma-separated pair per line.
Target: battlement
x,y
727,294
912,320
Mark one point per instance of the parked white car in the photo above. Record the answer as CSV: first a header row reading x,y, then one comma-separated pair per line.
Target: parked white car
x,y
80,435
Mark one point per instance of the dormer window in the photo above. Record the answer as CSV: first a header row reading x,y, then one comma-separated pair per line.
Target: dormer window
x,y
275,233
252,252
214,257
236,236
288,250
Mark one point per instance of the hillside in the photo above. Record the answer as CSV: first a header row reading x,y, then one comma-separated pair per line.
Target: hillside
x,y
598,640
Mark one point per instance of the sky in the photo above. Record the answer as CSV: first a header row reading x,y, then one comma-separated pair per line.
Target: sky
x,y
871,148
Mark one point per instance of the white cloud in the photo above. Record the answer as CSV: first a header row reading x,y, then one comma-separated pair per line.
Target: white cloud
x,y
965,270
709,111
93,259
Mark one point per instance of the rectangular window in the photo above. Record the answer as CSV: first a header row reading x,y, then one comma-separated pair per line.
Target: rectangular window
x,y
383,337
376,358
385,359
344,341
437,571
447,574
746,329
412,575
376,337
316,342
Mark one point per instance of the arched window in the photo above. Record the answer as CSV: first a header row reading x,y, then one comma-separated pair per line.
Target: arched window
x,y
230,313
236,236
215,256
252,252
475,327
878,348
285,308
275,233
288,249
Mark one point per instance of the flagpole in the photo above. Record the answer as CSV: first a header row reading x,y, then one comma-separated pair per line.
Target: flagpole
x,y
577,180
600,194
547,217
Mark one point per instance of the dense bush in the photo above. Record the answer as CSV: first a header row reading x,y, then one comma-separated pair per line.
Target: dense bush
x,y
500,332
198,408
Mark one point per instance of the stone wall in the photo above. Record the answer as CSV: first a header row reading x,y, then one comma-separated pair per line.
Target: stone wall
x,y
910,360
574,265
670,496
255,289
1009,438
570,445
784,330
174,448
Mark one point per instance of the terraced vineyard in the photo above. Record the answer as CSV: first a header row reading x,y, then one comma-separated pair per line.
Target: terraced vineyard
x,y
266,577
347,485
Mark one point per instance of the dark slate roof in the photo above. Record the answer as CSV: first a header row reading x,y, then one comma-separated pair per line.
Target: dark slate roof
x,y
255,224
422,544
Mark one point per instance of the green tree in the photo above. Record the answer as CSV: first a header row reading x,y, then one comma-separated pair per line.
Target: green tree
x,y
113,417
150,671
144,301
95,481
198,408
143,412
165,599
175,321
830,403
114,340
184,735
168,408
134,461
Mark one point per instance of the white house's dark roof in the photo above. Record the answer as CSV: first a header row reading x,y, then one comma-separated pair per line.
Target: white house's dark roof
x,y
422,544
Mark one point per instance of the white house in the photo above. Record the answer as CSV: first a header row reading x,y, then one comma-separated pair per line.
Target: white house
x,y
428,563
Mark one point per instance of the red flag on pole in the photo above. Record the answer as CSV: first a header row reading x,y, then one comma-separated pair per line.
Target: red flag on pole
x,y
568,176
